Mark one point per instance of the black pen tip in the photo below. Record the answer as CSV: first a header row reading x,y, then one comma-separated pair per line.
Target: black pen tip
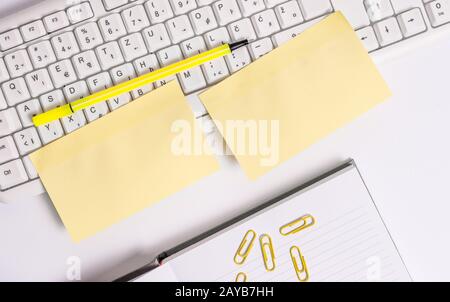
x,y
239,44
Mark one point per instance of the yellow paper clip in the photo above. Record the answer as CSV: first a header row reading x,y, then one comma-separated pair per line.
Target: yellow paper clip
x,y
297,225
297,258
241,277
245,247
266,246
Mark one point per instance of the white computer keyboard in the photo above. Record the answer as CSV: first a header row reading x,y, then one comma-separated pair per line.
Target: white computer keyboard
x,y
61,52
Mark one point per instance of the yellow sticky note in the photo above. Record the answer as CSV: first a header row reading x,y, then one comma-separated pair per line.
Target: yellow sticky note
x,y
120,164
295,95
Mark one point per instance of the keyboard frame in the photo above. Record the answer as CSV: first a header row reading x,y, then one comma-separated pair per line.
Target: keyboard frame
x,y
35,187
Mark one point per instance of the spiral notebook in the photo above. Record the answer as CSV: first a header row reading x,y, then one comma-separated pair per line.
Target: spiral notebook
x,y
341,238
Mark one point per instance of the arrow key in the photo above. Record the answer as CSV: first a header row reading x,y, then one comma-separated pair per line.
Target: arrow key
x,y
368,38
412,22
388,31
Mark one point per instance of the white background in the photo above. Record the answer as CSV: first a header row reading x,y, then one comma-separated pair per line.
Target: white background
x,y
401,147
10,6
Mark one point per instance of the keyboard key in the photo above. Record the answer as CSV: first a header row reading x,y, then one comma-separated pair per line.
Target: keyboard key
x,y
156,37
260,48
388,31
12,174
76,91
18,63
378,9
96,111
227,11
109,55
50,132
8,150
80,12
354,11
133,46
169,55
39,82
181,7
9,122
52,100
62,73
180,29
88,35
112,27
265,23
193,47
41,54
86,64
16,91
10,39
135,18
217,37
368,38
33,30
238,59
73,122
158,10
250,7
439,12
112,4
146,64
289,14
3,103
315,8
123,99
215,70
65,45
137,93
27,140
4,75
32,173
203,20
56,21
412,22
27,110
122,73
241,30
192,80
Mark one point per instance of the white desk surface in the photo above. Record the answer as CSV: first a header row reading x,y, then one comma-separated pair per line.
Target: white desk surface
x,y
401,147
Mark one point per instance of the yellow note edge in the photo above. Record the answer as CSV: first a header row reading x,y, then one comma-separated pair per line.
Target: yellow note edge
x,y
120,164
295,95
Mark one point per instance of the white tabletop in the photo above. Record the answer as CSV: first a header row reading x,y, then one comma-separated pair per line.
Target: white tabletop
x,y
401,147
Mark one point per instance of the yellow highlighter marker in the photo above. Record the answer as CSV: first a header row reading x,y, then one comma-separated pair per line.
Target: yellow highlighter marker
x,y
138,82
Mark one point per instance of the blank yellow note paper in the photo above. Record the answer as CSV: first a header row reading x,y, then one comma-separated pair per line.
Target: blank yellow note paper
x,y
120,164
312,85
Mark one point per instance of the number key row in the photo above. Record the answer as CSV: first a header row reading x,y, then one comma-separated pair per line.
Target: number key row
x,y
51,23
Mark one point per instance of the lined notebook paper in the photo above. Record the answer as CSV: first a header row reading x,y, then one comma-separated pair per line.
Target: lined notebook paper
x,y
348,242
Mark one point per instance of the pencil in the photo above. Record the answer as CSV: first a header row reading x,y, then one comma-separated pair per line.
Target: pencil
x,y
170,70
